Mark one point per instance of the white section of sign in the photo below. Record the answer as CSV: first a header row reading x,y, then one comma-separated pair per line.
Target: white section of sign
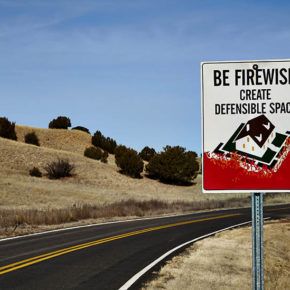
x,y
219,127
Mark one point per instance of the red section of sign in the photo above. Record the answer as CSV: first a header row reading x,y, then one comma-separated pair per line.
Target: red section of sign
x,y
228,174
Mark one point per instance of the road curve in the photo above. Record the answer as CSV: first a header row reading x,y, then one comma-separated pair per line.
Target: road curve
x,y
106,256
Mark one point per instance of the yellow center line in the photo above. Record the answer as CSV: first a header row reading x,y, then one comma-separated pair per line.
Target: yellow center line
x,y
53,254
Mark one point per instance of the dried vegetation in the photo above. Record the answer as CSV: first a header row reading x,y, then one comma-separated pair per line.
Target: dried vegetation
x,y
223,262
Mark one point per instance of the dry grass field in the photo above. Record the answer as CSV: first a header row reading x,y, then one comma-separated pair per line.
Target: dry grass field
x,y
223,262
67,140
94,182
95,186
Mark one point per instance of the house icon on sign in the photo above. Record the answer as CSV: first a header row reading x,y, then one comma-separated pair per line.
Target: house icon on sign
x,y
255,136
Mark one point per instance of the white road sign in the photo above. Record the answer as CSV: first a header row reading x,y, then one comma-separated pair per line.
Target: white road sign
x,y
246,126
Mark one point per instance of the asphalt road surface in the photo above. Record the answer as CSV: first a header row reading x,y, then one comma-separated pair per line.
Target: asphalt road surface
x,y
106,256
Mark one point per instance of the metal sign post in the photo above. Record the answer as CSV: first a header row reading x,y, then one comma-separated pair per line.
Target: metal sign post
x,y
257,241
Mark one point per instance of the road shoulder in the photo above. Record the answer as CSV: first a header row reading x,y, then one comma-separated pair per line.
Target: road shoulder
x,y
224,261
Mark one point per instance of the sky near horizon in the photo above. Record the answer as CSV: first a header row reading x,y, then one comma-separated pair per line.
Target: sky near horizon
x,y
129,68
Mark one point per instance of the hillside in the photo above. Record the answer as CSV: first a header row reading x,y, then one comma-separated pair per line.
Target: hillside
x,y
68,140
94,182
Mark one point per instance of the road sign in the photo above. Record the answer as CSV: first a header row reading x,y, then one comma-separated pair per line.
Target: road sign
x,y
246,126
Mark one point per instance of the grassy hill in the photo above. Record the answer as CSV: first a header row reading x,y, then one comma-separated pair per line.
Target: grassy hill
x,y
94,182
67,140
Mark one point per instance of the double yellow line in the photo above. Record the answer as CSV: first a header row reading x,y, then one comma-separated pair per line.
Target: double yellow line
x,y
37,259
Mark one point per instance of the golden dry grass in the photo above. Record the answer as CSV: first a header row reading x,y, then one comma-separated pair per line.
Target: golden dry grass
x,y
223,262
17,221
94,182
68,140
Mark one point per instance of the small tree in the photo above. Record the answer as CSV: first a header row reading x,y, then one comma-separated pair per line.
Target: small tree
x,y
60,122
80,128
129,161
59,169
147,153
7,129
93,152
31,138
173,165
106,143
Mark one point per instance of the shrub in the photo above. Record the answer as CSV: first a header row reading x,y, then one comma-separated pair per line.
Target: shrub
x,y
93,152
58,169
60,122
80,128
106,143
35,172
7,129
147,153
105,156
129,161
31,138
174,165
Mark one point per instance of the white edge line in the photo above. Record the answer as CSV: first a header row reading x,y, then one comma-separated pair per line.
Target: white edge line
x,y
137,276
113,222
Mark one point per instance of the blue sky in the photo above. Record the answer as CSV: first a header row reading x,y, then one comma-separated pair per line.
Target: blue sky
x,y
130,68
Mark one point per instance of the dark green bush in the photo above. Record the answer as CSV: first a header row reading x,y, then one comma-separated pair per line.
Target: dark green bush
x,y
110,145
93,152
97,139
129,161
60,122
106,143
59,169
120,150
35,172
105,156
80,128
31,138
147,153
7,129
174,165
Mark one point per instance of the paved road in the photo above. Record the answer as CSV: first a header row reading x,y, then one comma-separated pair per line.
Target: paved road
x,y
105,256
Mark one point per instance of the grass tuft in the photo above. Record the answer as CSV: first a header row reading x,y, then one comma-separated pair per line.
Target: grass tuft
x,y
59,169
